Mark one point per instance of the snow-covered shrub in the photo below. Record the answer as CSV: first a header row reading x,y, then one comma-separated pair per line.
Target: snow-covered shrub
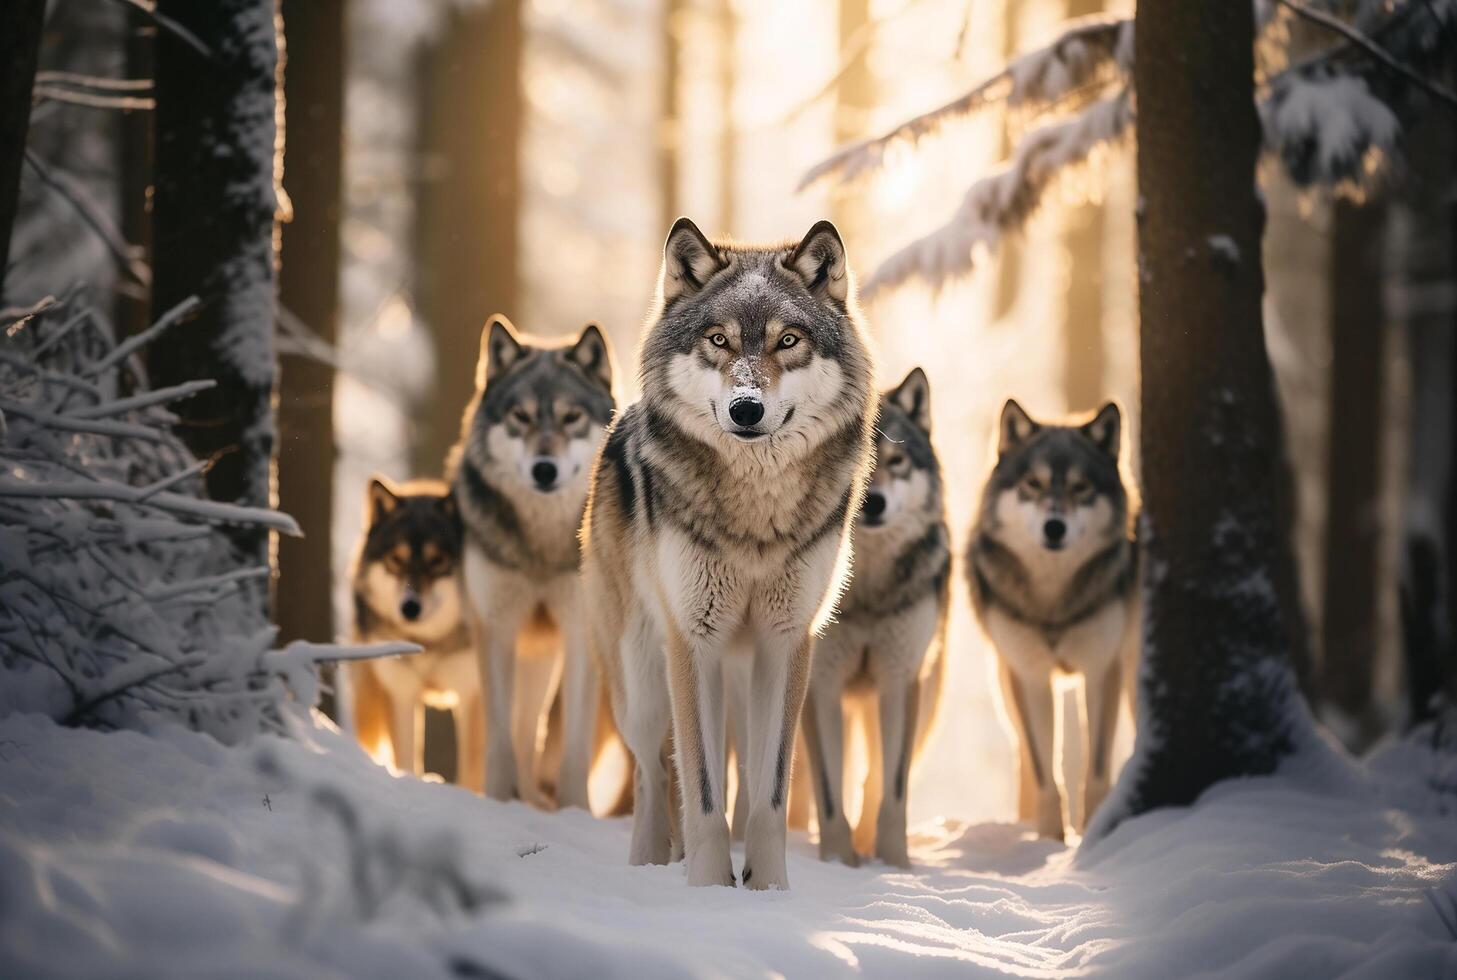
x,y
120,604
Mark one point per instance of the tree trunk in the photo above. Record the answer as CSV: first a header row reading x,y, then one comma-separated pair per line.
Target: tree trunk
x,y
854,96
308,288
1084,360
467,234
1217,697
1354,473
214,229
669,208
1428,240
19,52
133,303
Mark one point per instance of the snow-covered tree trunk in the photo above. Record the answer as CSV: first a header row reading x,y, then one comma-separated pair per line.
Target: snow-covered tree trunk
x,y
1217,696
309,289
215,234
19,51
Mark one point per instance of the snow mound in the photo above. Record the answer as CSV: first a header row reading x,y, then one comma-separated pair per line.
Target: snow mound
x,y
172,855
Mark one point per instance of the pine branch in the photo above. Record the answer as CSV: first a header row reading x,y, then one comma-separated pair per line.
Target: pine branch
x,y
1088,50
1371,48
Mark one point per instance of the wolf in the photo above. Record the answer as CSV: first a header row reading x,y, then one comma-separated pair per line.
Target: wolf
x,y
406,582
719,522
519,475
887,643
1053,571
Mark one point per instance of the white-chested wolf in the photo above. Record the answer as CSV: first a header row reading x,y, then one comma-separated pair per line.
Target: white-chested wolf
x,y
1053,568
719,521
886,648
520,476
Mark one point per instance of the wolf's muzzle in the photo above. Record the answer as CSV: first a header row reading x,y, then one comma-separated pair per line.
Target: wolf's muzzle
x,y
746,412
410,607
1054,531
874,507
544,474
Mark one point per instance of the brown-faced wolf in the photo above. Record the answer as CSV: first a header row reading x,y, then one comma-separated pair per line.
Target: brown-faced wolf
x,y
886,647
1053,568
406,581
719,521
519,475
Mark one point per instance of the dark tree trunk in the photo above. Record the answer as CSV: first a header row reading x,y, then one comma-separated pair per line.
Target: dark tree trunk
x,y
19,52
308,288
467,234
1352,560
1429,285
214,229
1084,361
1217,696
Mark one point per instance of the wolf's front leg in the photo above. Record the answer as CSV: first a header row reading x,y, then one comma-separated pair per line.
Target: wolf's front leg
x,y
497,649
781,676
898,705
579,711
695,679
1100,704
824,736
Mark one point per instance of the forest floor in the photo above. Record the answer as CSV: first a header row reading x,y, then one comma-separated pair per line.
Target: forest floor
x,y
168,854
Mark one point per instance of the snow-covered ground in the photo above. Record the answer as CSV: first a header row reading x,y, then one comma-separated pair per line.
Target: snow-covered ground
x,y
170,855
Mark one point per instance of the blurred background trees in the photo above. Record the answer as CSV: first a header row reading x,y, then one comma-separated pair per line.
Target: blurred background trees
x,y
450,158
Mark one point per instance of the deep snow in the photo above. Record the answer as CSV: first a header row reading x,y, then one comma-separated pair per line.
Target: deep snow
x,y
126,854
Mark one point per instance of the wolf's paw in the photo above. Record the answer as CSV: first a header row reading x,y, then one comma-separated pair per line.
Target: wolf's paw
x,y
710,866
890,837
835,844
1049,816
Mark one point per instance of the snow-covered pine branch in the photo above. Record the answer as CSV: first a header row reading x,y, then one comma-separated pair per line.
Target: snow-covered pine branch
x,y
1089,55
119,599
1331,119
1003,201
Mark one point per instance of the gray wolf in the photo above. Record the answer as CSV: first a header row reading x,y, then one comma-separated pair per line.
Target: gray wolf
x,y
519,475
406,582
718,528
886,647
1053,569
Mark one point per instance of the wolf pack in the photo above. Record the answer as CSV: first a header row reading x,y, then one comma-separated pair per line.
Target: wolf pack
x,y
737,572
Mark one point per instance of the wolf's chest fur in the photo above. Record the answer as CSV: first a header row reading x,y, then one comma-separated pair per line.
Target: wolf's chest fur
x,y
519,528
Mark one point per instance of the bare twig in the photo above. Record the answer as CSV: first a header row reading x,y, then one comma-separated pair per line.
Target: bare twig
x,y
78,80
1366,44
137,341
209,510
146,399
149,10
68,423
87,209
93,100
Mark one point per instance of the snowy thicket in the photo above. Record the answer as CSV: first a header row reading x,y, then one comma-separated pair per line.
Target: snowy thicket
x,y
119,602
1332,118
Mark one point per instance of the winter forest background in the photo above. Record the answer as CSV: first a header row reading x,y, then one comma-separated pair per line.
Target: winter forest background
x,y
398,170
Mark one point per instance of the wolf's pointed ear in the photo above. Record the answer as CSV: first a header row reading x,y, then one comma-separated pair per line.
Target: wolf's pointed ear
x,y
500,348
913,396
448,507
689,260
1105,430
820,261
380,500
591,354
1016,427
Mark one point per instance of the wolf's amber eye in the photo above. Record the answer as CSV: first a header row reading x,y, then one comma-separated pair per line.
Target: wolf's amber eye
x,y
1080,489
520,416
718,340
895,460
572,417
1033,484
788,340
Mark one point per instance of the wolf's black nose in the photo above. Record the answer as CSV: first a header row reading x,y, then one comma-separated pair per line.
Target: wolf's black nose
x,y
746,411
544,473
1055,529
874,505
410,609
